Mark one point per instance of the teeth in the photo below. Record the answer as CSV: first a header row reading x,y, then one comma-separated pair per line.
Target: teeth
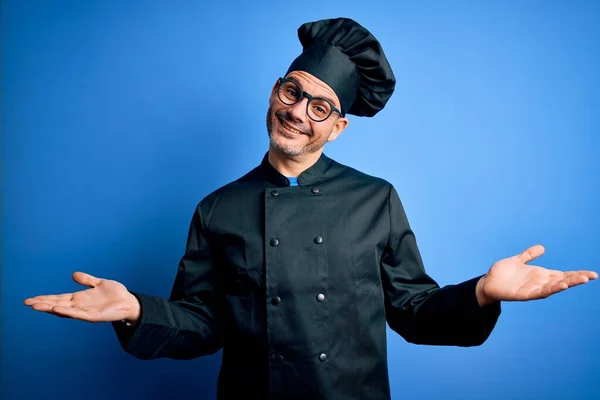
x,y
296,131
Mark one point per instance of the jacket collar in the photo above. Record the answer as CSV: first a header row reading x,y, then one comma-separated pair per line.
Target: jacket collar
x,y
308,176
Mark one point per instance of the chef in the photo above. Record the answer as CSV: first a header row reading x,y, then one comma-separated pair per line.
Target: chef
x,y
295,268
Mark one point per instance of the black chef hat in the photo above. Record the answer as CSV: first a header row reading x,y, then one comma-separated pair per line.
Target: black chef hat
x,y
348,58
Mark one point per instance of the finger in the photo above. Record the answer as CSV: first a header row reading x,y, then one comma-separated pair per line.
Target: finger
x,y
45,307
53,303
49,311
588,274
541,290
41,307
576,279
567,283
66,312
555,273
551,273
550,289
86,279
49,298
531,253
559,287
537,293
75,313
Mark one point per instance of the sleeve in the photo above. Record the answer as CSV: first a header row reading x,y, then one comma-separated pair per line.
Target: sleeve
x,y
186,325
417,308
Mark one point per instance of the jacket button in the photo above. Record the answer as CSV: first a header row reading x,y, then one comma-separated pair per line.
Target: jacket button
x,y
276,300
322,357
272,356
274,242
318,240
315,190
274,193
320,297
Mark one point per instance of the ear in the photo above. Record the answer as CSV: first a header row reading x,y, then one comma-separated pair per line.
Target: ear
x,y
338,128
275,86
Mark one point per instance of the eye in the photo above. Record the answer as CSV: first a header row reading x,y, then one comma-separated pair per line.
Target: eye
x,y
320,107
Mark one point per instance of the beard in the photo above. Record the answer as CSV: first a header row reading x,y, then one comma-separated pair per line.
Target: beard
x,y
291,149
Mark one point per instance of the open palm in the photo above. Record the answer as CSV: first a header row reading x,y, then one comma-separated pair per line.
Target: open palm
x,y
104,301
511,279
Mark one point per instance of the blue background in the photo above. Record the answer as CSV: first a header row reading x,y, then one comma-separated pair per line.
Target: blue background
x,y
118,117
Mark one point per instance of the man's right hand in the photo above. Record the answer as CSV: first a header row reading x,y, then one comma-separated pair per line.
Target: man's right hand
x,y
104,301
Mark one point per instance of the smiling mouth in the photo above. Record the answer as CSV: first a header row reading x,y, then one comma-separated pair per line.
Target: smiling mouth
x,y
290,128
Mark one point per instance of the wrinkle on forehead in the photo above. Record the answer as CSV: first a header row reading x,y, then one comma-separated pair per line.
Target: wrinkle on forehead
x,y
310,82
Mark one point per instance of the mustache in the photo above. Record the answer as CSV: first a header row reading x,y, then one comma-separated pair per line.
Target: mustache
x,y
284,115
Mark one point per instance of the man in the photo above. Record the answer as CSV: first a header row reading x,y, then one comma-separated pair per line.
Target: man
x,y
295,268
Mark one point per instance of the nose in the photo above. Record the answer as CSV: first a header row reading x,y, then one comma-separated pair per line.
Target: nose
x,y
298,110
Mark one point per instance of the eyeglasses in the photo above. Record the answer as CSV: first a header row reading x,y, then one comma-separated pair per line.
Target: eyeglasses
x,y
318,109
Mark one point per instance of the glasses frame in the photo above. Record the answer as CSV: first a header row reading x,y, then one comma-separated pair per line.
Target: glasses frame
x,y
310,98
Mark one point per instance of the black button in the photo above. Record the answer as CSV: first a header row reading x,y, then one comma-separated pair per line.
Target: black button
x,y
275,300
272,356
315,190
280,357
274,242
274,193
318,240
320,297
322,357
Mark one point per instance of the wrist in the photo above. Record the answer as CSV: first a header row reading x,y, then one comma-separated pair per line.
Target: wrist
x,y
134,312
482,298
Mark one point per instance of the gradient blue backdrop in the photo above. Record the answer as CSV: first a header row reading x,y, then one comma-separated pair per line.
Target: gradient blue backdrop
x,y
118,117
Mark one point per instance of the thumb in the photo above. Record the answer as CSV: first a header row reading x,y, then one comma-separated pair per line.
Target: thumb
x,y
531,253
86,279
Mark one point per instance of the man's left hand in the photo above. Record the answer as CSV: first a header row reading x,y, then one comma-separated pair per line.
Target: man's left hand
x,y
511,279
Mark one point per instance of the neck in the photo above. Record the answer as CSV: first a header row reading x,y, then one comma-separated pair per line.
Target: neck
x,y
292,166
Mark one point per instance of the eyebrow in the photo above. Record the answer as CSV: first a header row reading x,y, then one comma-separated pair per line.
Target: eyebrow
x,y
318,97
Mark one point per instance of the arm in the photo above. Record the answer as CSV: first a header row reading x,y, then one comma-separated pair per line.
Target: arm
x,y
186,325
416,307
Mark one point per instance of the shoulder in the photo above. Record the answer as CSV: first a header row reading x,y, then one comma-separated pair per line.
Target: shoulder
x,y
354,176
235,190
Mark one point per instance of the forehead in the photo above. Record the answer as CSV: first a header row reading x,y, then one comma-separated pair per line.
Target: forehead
x,y
314,86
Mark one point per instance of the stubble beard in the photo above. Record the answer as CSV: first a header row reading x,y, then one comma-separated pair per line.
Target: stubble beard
x,y
289,150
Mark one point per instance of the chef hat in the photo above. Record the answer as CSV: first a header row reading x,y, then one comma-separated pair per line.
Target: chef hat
x,y
349,59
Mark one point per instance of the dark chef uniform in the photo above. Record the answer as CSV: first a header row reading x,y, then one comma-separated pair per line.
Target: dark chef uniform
x,y
296,285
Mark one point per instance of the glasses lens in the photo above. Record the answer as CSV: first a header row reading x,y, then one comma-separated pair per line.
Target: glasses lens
x,y
289,93
319,109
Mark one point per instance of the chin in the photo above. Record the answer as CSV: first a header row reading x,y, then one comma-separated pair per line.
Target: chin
x,y
279,144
